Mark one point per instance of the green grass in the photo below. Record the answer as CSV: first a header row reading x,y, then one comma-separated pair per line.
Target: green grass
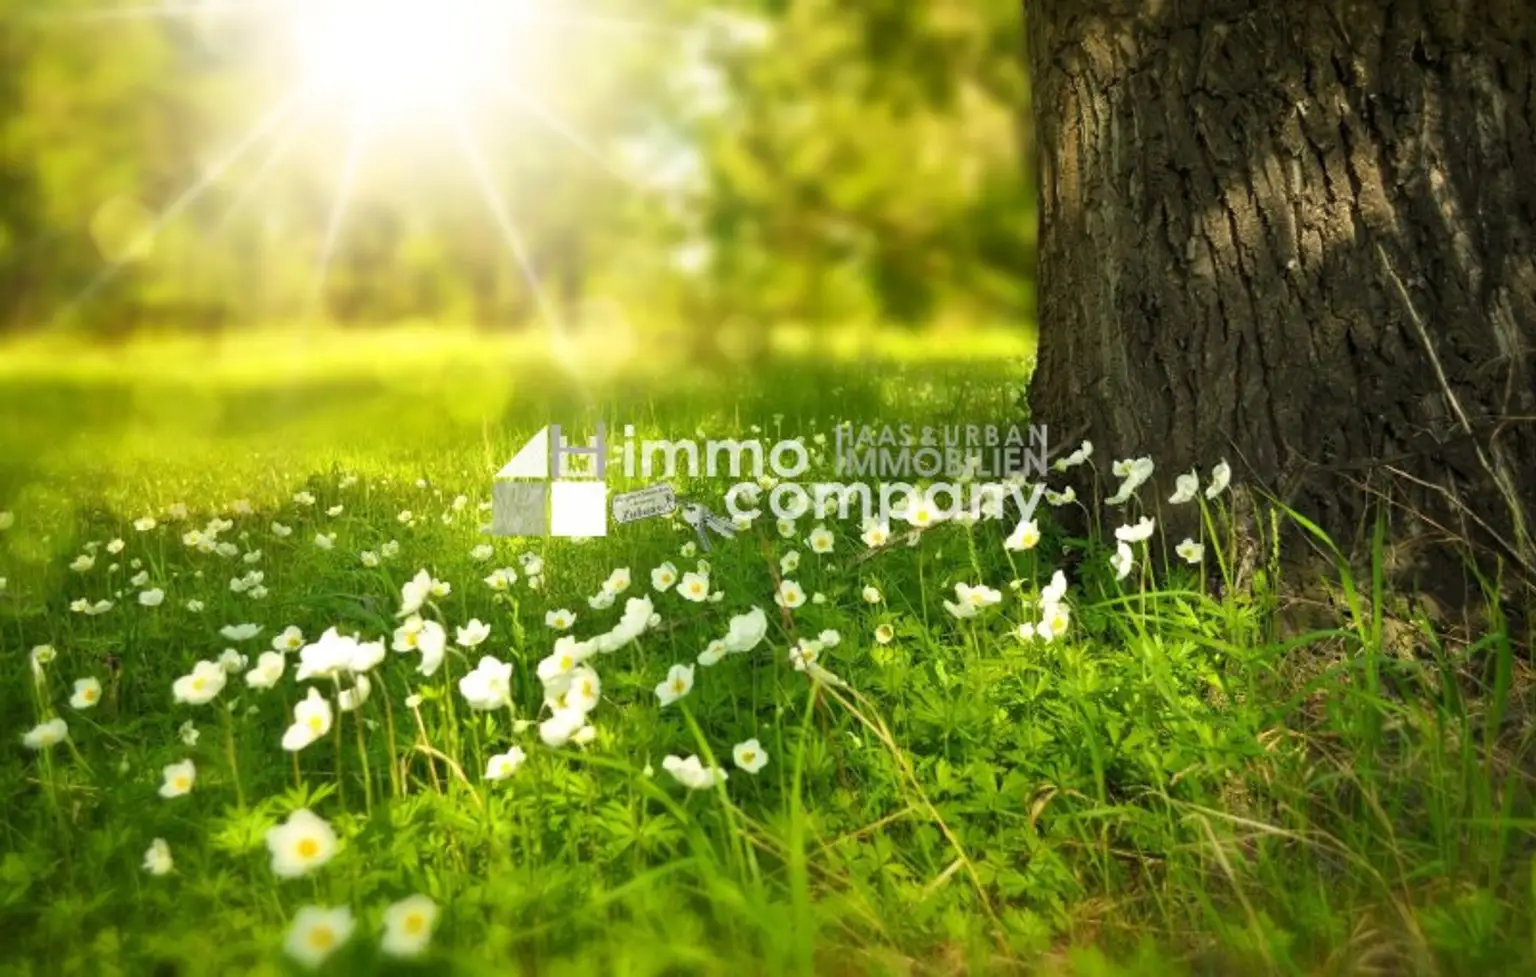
x,y
1181,784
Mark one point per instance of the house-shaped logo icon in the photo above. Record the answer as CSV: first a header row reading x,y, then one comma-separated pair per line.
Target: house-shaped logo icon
x,y
538,493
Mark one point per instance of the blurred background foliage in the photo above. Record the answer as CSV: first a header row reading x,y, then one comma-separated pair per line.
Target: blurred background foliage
x,y
693,168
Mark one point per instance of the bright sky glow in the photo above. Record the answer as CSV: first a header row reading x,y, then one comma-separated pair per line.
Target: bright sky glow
x,y
386,58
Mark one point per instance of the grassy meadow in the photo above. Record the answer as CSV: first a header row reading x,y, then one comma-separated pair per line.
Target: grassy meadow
x,y
1178,780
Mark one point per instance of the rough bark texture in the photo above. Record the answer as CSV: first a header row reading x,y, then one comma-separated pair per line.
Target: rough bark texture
x,y
1299,235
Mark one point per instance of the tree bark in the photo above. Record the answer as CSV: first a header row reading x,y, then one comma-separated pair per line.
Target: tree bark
x,y
1299,235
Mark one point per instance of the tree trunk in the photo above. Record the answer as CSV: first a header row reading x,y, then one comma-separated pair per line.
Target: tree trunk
x,y
1299,235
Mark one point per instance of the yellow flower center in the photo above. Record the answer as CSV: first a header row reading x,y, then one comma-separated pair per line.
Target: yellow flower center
x,y
415,924
308,848
316,723
322,938
566,664
679,686
89,695
748,757
198,683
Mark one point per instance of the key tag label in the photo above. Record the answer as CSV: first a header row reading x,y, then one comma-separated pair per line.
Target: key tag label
x,y
646,503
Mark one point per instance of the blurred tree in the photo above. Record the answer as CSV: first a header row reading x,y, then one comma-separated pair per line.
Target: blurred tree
x,y
1300,236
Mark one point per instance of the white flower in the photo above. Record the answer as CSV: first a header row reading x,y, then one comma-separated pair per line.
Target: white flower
x,y
157,858
291,639
1122,561
876,535
427,637
560,619
1055,591
558,729
414,593
749,756
1025,536
663,577
712,653
350,700
482,553
327,657
618,581
1061,498
195,606
205,681
601,601
688,549
368,558
786,528
231,660
821,540
884,634
503,765
188,733
790,595
789,562
694,587
679,683
501,580
325,541
1221,476
145,523
115,547
82,563
1185,488
408,924
804,654
746,631
1138,533
240,632
1054,621
1134,471
405,517
472,634
304,498
179,778
280,531
268,670
311,720
872,595
390,550
46,734
300,844
87,693
1190,551
691,773
316,933
971,600
585,736
335,510
1082,454
366,656
176,510
489,686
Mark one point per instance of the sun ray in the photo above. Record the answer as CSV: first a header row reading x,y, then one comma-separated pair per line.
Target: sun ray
x,y
470,147
269,121
559,126
355,146
275,155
